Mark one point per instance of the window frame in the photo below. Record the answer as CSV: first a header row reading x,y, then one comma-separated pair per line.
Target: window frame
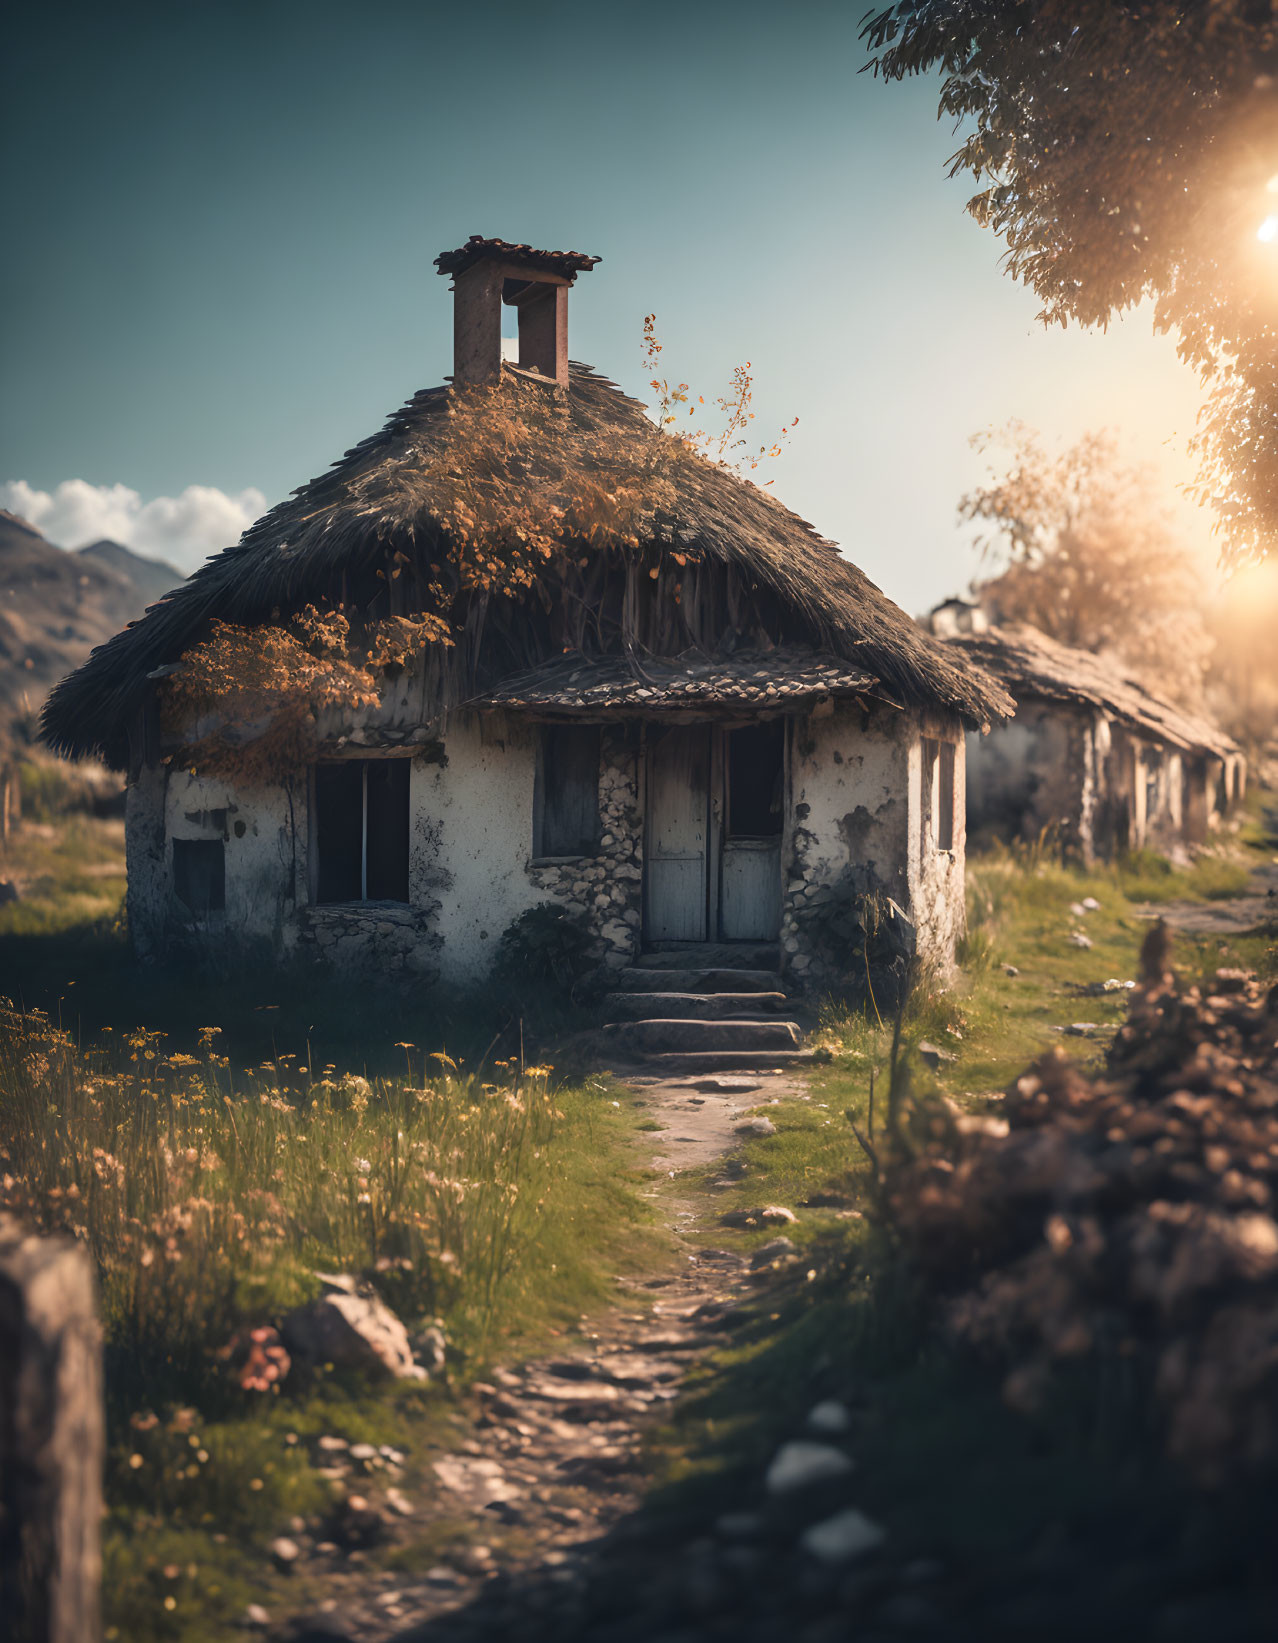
x,y
179,846
313,853
539,852
940,772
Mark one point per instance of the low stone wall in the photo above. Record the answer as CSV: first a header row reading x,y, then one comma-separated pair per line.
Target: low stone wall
x,y
51,1441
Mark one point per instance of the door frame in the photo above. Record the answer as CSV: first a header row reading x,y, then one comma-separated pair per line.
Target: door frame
x,y
716,824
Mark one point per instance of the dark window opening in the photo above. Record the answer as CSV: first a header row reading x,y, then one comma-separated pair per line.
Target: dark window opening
x,y
567,809
756,766
199,875
361,830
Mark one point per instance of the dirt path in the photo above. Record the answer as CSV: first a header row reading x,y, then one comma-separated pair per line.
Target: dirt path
x,y
550,1463
1233,915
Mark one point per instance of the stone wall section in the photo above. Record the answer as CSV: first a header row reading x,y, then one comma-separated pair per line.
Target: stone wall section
x,y
607,889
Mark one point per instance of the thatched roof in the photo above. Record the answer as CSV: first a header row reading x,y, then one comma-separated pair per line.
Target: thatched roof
x,y
376,499
1034,666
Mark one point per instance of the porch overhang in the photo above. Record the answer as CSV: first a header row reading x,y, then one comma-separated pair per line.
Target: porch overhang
x,y
620,686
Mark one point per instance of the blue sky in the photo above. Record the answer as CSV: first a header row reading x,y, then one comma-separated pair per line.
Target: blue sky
x,y
223,219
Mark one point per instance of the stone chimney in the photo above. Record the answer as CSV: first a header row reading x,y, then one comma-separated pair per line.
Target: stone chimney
x,y
488,273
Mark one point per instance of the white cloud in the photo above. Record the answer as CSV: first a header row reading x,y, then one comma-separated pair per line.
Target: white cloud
x,y
183,529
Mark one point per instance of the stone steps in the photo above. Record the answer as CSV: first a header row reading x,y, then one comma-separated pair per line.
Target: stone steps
x,y
692,1063
719,955
653,980
665,1036
717,1006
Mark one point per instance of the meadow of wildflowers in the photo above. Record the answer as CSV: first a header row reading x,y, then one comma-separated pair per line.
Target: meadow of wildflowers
x,y
211,1194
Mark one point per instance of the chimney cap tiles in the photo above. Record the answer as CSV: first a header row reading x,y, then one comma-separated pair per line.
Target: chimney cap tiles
x,y
566,264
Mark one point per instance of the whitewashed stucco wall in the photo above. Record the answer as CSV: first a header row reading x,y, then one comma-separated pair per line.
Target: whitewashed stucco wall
x,y
853,826
857,796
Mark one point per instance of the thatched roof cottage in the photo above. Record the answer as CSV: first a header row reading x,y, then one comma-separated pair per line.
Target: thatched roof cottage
x,y
575,663
1092,754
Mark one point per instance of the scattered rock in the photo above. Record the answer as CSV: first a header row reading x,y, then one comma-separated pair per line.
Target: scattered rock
x,y
285,1551
932,1055
800,1465
356,1522
1078,939
768,1215
353,1329
1077,909
756,1126
1096,989
828,1200
724,1086
256,1617
430,1349
848,1534
1010,970
399,1503
830,1419
776,1249
1090,904
1082,1029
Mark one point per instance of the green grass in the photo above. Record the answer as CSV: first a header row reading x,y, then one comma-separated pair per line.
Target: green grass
x,y
210,1195
71,875
941,1461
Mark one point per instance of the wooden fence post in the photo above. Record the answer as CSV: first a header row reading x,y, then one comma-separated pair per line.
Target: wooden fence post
x,y
51,1440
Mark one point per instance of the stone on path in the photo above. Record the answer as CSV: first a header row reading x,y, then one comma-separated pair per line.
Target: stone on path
x,y
829,1418
351,1329
776,1249
799,1465
848,1534
756,1126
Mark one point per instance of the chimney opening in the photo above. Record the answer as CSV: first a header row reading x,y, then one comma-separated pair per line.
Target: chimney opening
x,y
491,275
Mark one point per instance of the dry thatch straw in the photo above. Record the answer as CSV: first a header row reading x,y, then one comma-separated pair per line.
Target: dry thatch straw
x,y
684,556
1032,664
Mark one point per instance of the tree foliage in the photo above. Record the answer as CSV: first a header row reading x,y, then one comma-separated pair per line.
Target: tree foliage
x,y
1128,149
1082,550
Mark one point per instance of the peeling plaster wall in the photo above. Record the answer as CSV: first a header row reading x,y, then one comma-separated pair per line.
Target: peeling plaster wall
x,y
260,833
856,827
480,808
938,903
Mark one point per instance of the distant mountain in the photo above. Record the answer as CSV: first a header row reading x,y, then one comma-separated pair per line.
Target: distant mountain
x,y
151,577
56,606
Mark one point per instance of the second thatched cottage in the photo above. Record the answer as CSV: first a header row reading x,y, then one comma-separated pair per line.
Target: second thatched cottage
x,y
1093,756
524,647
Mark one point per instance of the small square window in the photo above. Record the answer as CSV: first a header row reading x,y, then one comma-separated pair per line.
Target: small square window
x,y
199,875
361,830
566,811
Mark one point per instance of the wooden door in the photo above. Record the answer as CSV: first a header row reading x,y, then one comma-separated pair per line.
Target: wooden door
x,y
677,879
753,766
